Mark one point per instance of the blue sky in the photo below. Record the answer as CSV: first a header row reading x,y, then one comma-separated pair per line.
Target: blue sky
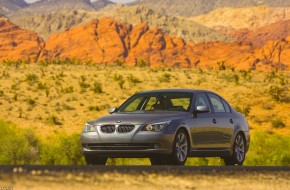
x,y
119,1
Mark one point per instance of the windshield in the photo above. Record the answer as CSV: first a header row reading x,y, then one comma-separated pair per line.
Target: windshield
x,y
167,101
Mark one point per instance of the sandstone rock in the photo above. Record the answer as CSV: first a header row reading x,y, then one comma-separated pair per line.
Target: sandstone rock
x,y
17,43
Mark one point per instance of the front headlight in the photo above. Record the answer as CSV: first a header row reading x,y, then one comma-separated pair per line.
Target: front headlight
x,y
89,128
156,127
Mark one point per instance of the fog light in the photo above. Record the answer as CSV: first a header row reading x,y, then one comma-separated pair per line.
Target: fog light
x,y
156,146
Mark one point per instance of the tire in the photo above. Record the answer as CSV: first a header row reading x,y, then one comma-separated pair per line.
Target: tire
x,y
180,149
94,160
239,151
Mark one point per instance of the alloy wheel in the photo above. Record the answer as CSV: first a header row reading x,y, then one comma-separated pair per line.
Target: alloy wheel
x,y
181,147
239,148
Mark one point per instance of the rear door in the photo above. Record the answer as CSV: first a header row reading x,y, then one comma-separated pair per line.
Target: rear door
x,y
223,121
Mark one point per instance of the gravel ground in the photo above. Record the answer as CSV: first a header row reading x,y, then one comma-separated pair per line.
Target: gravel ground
x,y
153,178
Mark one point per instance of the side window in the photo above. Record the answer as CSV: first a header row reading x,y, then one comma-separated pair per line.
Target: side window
x,y
201,100
217,103
150,103
227,107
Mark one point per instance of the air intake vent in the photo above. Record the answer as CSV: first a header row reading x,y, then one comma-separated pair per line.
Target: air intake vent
x,y
125,128
108,128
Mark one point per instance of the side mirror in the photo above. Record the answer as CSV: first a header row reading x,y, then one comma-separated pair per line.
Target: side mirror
x,y
112,110
202,109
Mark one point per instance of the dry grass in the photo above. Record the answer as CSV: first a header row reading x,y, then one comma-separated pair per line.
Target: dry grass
x,y
57,98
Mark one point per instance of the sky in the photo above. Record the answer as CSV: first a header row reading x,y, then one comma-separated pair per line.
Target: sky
x,y
118,1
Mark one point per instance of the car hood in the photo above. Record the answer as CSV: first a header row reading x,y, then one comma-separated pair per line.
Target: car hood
x,y
138,118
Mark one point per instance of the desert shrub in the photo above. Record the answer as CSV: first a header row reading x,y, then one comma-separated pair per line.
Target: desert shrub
x,y
31,101
67,90
5,74
142,63
47,92
120,79
94,108
15,97
119,63
31,78
277,92
165,77
14,87
67,107
270,76
244,110
246,75
221,65
97,88
133,80
53,120
278,123
83,83
237,78
41,86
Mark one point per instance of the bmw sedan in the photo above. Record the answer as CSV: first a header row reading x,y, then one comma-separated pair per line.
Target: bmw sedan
x,y
168,126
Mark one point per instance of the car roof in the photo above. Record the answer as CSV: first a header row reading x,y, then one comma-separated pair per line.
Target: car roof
x,y
176,90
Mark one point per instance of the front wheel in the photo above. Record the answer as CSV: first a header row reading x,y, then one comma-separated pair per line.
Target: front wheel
x,y
239,151
94,160
180,149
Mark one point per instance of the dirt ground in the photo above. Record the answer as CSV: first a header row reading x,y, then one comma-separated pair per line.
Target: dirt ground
x,y
44,179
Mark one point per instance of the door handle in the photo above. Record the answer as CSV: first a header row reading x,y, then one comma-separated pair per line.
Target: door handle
x,y
214,121
231,121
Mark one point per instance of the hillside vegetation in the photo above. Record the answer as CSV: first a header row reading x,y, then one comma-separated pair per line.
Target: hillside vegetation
x,y
189,8
47,24
49,104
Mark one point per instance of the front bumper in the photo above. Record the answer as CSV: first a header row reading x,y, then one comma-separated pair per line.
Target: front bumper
x,y
140,145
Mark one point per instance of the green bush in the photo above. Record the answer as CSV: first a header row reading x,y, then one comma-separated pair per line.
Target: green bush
x,y
165,77
53,120
133,80
31,102
41,86
17,146
67,90
62,150
268,150
31,78
277,92
120,80
97,88
278,123
244,110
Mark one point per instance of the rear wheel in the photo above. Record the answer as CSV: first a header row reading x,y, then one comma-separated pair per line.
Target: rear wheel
x,y
94,160
239,151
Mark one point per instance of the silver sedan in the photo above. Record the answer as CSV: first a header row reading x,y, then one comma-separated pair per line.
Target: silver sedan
x,y
168,126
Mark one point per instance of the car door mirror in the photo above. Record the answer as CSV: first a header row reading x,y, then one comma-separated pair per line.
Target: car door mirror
x,y
202,109
112,110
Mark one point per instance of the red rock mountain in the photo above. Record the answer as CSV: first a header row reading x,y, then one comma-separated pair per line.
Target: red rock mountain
x,y
260,36
17,43
106,40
